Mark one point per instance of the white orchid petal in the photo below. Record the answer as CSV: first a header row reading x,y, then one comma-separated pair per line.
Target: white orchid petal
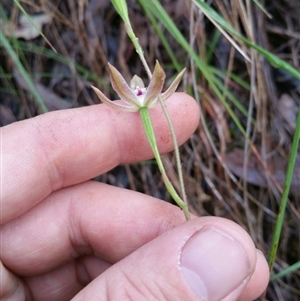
x,y
136,83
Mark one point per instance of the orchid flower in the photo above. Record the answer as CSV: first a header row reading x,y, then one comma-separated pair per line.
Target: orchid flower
x,y
136,96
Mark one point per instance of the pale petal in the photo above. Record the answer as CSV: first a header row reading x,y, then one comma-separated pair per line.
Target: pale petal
x,y
173,86
121,87
155,86
107,101
136,83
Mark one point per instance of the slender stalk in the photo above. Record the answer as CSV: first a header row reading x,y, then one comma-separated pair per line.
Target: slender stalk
x,y
23,73
140,52
138,48
18,4
284,198
176,150
152,141
122,9
292,268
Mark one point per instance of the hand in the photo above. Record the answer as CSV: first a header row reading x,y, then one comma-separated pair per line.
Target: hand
x,y
63,236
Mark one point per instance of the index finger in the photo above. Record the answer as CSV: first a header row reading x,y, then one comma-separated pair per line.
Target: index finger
x,y
63,148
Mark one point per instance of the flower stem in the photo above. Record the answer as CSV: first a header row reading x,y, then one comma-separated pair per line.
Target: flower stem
x,y
121,7
176,150
138,48
152,141
140,52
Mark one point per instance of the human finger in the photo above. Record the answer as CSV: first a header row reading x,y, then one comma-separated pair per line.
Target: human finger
x,y
94,218
87,218
259,281
63,148
204,259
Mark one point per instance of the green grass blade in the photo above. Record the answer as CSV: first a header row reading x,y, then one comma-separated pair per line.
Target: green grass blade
x,y
33,24
230,96
159,12
284,198
287,271
163,39
30,47
23,72
212,46
271,58
122,9
262,8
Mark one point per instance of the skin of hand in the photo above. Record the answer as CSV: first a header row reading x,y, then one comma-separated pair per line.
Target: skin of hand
x,y
64,236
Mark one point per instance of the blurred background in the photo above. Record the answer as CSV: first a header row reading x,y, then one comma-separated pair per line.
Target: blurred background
x,y
235,163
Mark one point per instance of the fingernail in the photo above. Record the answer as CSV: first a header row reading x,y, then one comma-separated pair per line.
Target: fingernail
x,y
214,264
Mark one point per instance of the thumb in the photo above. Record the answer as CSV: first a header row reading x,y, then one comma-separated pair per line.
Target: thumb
x,y
203,259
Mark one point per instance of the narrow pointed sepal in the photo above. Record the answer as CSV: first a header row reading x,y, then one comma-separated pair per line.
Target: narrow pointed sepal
x,y
137,96
121,87
173,86
113,104
155,86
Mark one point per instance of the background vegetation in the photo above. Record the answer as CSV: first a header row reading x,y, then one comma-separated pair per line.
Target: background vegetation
x,y
247,89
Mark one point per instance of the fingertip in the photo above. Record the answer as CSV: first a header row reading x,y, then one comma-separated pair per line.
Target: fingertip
x,y
187,110
259,279
12,287
204,259
219,252
67,147
133,144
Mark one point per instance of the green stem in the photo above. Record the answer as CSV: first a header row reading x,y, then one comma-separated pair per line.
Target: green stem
x,y
140,52
23,73
176,150
138,48
152,141
285,194
121,7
